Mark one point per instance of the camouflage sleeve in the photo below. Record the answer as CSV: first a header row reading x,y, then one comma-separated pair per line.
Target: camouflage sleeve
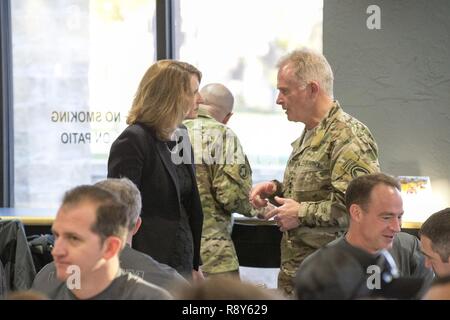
x,y
232,182
350,158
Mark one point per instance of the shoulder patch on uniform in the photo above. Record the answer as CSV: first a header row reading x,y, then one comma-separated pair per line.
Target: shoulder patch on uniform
x,y
354,168
243,172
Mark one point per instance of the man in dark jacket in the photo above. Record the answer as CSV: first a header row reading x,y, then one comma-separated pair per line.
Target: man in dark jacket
x,y
16,263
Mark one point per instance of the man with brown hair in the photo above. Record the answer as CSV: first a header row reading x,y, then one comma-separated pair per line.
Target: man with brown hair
x,y
90,229
131,260
435,238
359,265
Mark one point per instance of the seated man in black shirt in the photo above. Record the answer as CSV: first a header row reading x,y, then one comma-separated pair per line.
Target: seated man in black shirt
x,y
131,260
359,265
90,229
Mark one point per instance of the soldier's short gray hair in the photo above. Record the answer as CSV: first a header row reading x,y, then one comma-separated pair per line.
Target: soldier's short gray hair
x,y
310,65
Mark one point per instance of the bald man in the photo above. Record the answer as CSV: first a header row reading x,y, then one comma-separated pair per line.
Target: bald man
x,y
224,178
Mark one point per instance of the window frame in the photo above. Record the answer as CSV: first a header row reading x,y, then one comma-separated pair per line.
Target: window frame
x,y
6,108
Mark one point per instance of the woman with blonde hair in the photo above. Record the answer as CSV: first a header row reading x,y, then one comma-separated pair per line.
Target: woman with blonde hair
x,y
172,216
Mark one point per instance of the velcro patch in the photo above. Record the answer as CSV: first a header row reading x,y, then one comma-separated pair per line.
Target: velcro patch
x,y
243,172
354,168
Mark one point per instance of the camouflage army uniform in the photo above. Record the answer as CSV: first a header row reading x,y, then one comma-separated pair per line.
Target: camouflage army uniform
x,y
319,169
223,189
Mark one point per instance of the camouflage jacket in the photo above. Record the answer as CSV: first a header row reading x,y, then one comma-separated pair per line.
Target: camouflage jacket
x,y
224,179
319,170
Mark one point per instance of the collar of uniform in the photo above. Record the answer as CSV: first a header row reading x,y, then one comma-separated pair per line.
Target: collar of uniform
x,y
323,126
202,113
296,143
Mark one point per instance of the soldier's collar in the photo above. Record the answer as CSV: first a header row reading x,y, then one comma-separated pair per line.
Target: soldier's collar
x,y
202,113
322,127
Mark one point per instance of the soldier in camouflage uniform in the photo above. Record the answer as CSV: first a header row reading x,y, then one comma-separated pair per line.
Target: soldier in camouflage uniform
x,y
223,177
333,149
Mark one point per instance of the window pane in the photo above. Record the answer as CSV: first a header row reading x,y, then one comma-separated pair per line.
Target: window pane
x,y
77,64
238,43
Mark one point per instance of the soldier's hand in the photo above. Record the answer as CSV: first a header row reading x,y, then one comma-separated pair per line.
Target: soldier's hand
x,y
262,212
286,215
260,192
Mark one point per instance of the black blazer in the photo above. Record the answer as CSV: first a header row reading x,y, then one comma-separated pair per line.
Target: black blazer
x,y
140,156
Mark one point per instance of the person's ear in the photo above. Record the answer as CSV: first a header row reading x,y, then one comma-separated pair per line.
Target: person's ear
x,y
227,117
314,88
112,247
137,226
355,212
